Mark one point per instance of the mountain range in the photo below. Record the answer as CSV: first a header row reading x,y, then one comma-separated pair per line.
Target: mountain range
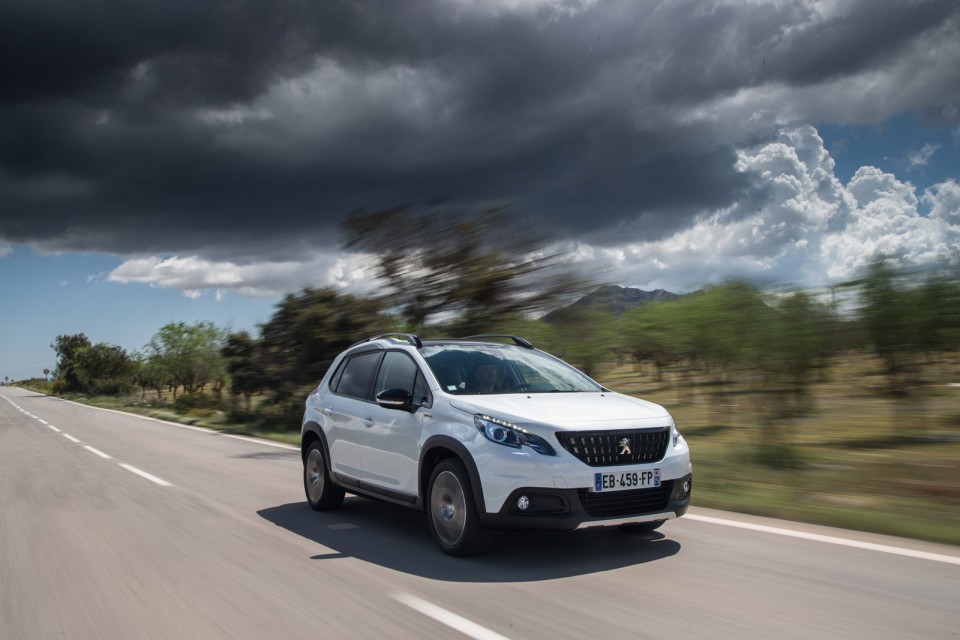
x,y
612,299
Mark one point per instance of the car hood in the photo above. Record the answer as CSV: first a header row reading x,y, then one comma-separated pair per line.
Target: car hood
x,y
605,410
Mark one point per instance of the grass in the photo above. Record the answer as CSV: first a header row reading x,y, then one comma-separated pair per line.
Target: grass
x,y
855,459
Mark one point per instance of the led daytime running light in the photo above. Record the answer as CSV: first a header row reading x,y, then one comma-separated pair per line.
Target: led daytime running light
x,y
510,435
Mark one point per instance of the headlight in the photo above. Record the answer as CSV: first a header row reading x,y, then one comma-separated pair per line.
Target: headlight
x,y
676,435
510,435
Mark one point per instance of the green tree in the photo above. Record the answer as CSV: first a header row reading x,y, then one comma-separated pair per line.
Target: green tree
x,y
657,333
148,374
724,329
465,270
801,340
586,338
305,334
83,367
937,301
244,366
67,349
103,369
189,356
892,324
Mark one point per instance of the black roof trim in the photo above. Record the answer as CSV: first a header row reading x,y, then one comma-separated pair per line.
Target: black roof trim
x,y
517,340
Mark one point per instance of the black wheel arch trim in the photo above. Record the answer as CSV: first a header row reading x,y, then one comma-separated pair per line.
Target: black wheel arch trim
x,y
317,434
460,451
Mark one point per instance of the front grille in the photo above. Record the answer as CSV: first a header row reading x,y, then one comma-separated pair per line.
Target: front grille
x,y
621,446
634,502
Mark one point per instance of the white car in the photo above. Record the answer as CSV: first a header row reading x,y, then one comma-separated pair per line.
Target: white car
x,y
485,435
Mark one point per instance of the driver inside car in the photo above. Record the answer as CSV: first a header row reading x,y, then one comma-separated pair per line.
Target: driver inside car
x,y
485,377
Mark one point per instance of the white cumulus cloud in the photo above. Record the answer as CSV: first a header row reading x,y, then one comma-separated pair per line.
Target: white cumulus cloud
x,y
808,229
196,276
922,157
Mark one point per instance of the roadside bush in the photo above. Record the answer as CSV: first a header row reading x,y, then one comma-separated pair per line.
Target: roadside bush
x,y
779,456
59,387
191,402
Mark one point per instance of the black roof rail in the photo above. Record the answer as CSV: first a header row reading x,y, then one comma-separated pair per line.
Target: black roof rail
x,y
408,337
517,340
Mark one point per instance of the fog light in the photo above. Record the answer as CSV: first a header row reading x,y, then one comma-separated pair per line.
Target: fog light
x,y
686,487
523,503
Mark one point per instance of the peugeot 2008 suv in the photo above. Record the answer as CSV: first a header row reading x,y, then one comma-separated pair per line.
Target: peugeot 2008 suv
x,y
485,435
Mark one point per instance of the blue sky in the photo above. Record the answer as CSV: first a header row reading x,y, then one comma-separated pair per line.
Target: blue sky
x,y
198,167
50,295
896,145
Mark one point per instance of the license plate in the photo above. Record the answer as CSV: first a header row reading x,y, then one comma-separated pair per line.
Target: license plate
x,y
626,480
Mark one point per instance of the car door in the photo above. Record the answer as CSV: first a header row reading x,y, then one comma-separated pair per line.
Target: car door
x,y
390,443
346,408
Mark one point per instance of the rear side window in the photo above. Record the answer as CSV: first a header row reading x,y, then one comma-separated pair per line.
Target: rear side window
x,y
355,376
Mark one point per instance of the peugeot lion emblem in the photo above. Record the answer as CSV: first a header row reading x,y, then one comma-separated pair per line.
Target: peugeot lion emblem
x,y
624,445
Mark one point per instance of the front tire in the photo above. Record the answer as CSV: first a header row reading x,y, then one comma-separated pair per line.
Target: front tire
x,y
452,512
321,493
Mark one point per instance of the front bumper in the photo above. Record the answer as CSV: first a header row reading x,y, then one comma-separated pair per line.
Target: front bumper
x,y
551,509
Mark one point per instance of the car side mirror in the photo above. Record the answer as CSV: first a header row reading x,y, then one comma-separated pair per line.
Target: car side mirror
x,y
396,399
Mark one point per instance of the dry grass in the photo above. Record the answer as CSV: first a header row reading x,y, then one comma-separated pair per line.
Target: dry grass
x,y
855,459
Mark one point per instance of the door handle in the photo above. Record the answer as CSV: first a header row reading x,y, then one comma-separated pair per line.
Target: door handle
x,y
328,411
368,422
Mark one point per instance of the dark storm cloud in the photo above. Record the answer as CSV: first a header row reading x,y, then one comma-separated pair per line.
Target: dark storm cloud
x,y
248,128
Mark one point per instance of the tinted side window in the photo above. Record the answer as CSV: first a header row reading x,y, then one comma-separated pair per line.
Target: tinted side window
x,y
398,371
357,374
421,392
335,380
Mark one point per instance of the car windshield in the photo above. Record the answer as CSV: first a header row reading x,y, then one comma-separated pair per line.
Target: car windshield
x,y
493,369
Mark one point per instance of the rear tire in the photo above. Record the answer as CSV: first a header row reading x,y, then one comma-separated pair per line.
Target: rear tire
x,y
452,512
321,493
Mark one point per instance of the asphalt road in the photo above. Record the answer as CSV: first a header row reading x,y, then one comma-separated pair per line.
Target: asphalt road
x,y
187,533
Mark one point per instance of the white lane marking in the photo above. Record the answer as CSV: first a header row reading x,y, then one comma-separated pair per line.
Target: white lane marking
x,y
268,443
190,427
452,620
144,474
142,417
42,421
816,537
